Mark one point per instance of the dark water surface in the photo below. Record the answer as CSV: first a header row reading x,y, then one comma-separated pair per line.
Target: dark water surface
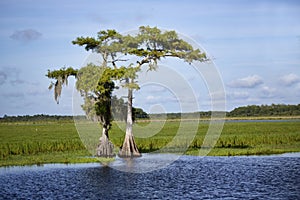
x,y
253,177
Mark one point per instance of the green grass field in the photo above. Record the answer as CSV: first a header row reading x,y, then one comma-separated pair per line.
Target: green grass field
x,y
58,142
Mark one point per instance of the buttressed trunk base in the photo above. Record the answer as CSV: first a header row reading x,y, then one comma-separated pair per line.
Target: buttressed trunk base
x,y
105,147
129,148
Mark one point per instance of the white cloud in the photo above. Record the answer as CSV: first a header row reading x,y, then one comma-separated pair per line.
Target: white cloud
x,y
246,82
290,79
150,98
268,92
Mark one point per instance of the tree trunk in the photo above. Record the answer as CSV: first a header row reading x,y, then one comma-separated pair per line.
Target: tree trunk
x,y
129,148
105,147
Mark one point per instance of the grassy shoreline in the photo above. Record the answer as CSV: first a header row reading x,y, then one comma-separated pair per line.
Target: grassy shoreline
x,y
37,143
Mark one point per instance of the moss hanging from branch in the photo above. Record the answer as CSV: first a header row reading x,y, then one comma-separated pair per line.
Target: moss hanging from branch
x,y
61,76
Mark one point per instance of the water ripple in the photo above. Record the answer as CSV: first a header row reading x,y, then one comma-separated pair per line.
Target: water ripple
x,y
254,177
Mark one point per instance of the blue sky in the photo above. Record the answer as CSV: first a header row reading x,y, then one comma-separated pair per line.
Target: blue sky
x,y
255,46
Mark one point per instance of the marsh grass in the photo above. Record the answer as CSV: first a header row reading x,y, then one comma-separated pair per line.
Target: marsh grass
x,y
55,142
237,138
253,138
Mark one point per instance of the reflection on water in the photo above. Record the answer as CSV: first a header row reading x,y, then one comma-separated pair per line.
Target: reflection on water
x,y
146,163
254,177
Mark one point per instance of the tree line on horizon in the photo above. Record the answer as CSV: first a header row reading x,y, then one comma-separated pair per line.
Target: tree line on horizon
x,y
139,113
265,110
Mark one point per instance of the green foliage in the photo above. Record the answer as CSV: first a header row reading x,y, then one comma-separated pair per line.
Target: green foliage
x,y
139,113
96,84
107,43
103,102
266,110
89,42
154,45
63,72
105,35
148,46
88,78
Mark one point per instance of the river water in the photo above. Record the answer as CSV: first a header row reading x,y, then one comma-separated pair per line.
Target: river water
x,y
189,177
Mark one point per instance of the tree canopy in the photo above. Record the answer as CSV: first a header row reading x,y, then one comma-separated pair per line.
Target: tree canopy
x,y
149,46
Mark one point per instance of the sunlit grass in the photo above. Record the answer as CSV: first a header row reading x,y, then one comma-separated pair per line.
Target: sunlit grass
x,y
45,158
55,142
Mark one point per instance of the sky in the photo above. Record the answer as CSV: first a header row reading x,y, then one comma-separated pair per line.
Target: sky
x,y
254,48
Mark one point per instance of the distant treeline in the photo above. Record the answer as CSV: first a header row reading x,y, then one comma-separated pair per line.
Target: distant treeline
x,y
266,110
193,115
138,113
244,111
29,118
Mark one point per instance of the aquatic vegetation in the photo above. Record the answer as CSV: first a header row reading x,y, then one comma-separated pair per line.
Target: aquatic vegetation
x,y
47,142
